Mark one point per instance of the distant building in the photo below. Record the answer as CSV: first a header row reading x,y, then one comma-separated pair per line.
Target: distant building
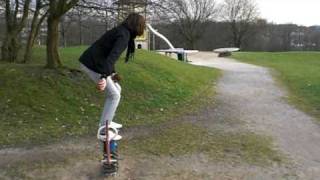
x,y
297,39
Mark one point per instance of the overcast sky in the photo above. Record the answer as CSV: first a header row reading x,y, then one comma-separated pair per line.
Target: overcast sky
x,y
302,12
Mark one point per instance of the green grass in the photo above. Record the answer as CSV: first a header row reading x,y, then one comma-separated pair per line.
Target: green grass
x,y
298,71
39,105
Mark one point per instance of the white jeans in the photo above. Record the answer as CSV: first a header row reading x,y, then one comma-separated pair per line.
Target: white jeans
x,y
113,91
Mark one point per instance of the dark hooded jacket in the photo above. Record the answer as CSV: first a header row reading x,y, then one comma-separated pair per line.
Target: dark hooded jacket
x,y
102,55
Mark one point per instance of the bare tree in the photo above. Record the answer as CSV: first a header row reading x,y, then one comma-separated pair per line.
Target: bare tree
x,y
286,31
16,14
189,15
39,14
2,7
240,14
102,10
57,8
2,23
65,22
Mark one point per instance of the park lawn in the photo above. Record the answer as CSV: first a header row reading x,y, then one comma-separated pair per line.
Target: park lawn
x,y
39,105
298,71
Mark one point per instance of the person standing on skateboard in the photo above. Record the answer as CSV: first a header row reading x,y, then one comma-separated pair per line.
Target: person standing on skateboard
x,y
99,60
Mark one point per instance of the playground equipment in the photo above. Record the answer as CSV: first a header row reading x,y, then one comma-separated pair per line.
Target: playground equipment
x,y
224,52
126,7
108,135
182,54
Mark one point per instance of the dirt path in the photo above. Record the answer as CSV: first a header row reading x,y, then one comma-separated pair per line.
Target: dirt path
x,y
250,93
246,94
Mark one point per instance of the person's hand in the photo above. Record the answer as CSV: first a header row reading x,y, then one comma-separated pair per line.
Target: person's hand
x,y
116,77
101,85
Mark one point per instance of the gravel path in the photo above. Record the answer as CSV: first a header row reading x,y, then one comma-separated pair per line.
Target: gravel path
x,y
250,93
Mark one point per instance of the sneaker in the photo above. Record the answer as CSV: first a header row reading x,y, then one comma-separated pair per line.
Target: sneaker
x,y
115,125
112,136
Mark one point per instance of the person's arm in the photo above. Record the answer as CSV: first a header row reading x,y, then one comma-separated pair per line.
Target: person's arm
x,y
119,46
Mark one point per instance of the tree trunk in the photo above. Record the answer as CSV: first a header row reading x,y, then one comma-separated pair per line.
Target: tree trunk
x,y
30,42
31,39
53,58
57,8
80,33
63,35
4,50
29,45
14,25
63,30
191,43
80,28
10,48
239,42
35,28
235,34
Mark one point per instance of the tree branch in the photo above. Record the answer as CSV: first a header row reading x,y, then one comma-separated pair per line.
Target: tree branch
x,y
25,15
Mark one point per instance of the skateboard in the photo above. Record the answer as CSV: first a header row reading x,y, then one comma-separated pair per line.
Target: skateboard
x,y
109,136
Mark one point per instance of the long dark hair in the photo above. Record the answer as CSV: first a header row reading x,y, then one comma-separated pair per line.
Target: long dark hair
x,y
136,25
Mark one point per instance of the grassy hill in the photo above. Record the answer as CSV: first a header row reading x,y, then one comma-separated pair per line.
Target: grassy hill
x,y
298,71
40,105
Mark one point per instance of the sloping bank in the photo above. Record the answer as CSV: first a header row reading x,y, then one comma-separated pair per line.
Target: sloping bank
x,y
40,105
